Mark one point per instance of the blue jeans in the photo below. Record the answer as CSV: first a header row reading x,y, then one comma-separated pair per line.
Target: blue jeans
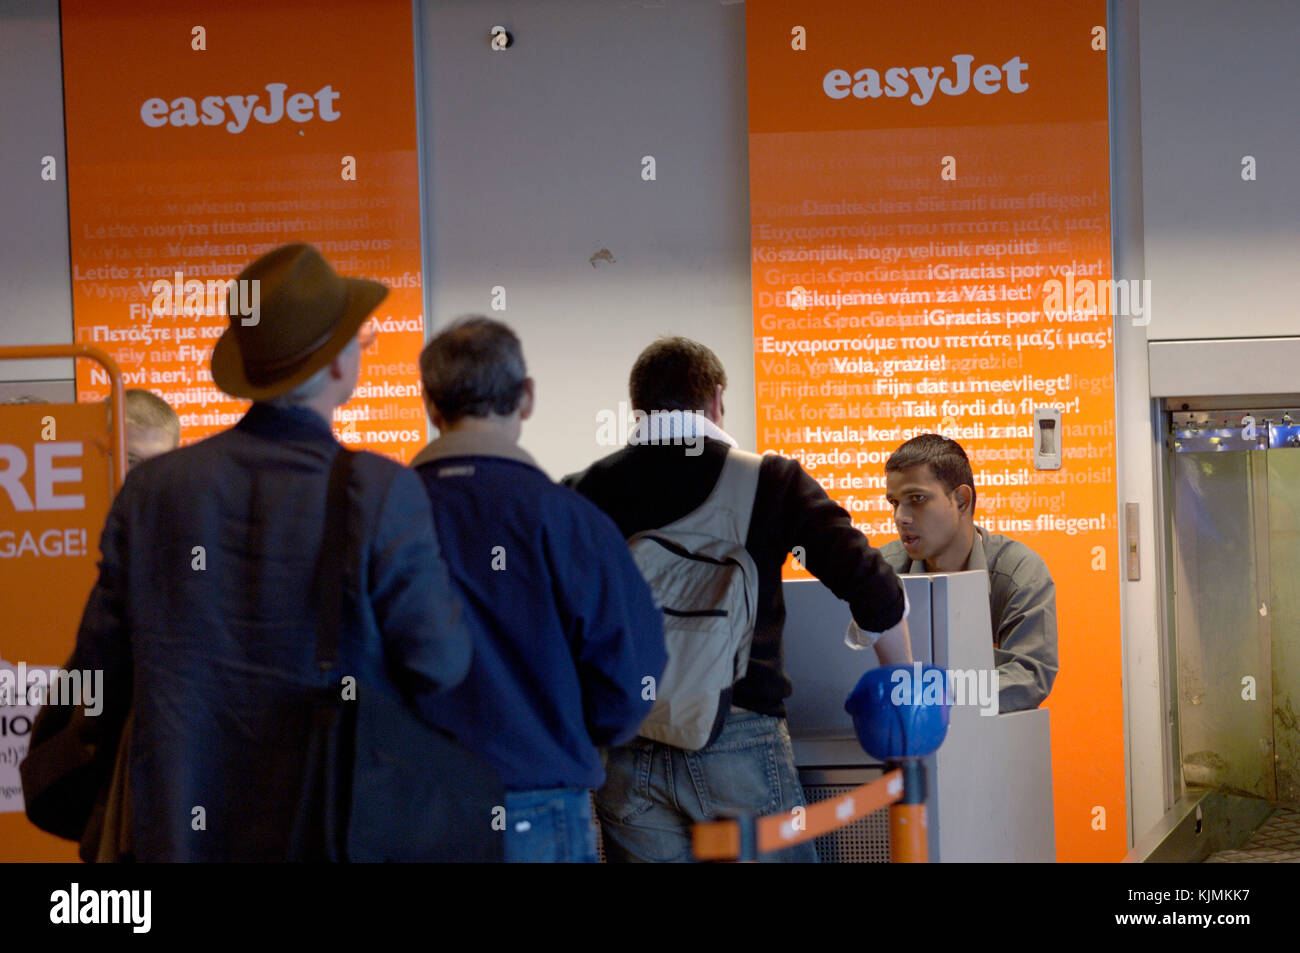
x,y
552,826
653,792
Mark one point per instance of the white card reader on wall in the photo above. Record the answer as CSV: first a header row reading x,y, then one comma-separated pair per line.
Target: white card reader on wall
x,y
1047,438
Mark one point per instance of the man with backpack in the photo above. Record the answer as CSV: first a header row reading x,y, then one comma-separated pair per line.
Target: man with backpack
x,y
682,494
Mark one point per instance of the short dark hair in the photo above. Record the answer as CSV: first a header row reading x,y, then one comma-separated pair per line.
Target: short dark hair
x,y
472,368
675,374
945,457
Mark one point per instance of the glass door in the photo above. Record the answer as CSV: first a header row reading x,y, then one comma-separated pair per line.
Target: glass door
x,y
1235,515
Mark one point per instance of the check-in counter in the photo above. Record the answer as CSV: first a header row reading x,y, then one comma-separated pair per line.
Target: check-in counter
x,y
989,785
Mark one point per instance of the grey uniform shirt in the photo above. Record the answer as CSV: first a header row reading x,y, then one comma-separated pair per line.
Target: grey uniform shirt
x,y
1022,606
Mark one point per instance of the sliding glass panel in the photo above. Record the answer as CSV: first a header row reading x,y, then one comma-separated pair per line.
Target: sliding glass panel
x,y
1220,604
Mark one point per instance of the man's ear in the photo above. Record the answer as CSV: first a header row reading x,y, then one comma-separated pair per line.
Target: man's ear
x,y
715,409
431,409
528,399
339,367
965,499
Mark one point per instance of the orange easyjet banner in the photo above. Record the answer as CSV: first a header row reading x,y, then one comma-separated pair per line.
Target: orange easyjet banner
x,y
200,136
931,253
55,491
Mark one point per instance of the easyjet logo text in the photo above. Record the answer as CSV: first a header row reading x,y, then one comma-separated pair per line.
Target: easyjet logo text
x,y
212,110
921,81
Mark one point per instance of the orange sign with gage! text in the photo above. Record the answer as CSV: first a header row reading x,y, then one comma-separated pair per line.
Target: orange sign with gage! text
x,y
55,492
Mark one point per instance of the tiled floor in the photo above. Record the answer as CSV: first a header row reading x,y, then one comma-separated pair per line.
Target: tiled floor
x,y
1276,842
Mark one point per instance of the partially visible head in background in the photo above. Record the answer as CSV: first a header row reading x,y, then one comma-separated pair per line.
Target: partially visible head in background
x,y
152,427
473,371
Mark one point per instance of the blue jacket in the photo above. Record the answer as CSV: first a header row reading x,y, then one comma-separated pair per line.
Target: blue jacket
x,y
203,604
565,629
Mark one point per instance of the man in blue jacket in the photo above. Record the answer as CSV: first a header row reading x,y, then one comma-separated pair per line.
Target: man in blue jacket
x,y
203,609
567,639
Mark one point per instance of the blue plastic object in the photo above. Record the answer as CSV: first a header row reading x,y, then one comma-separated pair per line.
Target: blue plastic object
x,y
901,711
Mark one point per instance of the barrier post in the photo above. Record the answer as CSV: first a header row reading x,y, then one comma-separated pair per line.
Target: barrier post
x,y
896,723
908,829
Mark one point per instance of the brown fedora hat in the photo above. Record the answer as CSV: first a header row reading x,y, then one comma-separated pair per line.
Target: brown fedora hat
x,y
306,315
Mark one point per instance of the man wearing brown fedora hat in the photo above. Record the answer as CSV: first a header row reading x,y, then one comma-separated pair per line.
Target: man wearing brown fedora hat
x,y
203,615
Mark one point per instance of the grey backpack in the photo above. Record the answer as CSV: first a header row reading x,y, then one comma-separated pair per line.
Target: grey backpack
x,y
706,584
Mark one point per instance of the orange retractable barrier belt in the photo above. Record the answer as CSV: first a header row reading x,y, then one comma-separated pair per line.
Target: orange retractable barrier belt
x,y
721,840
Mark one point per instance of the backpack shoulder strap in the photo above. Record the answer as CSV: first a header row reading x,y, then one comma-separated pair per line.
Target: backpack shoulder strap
x,y
737,486
731,500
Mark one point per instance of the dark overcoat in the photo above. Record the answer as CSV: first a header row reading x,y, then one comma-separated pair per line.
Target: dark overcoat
x,y
203,615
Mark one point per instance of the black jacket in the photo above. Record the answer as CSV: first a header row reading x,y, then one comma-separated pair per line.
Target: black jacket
x,y
647,486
